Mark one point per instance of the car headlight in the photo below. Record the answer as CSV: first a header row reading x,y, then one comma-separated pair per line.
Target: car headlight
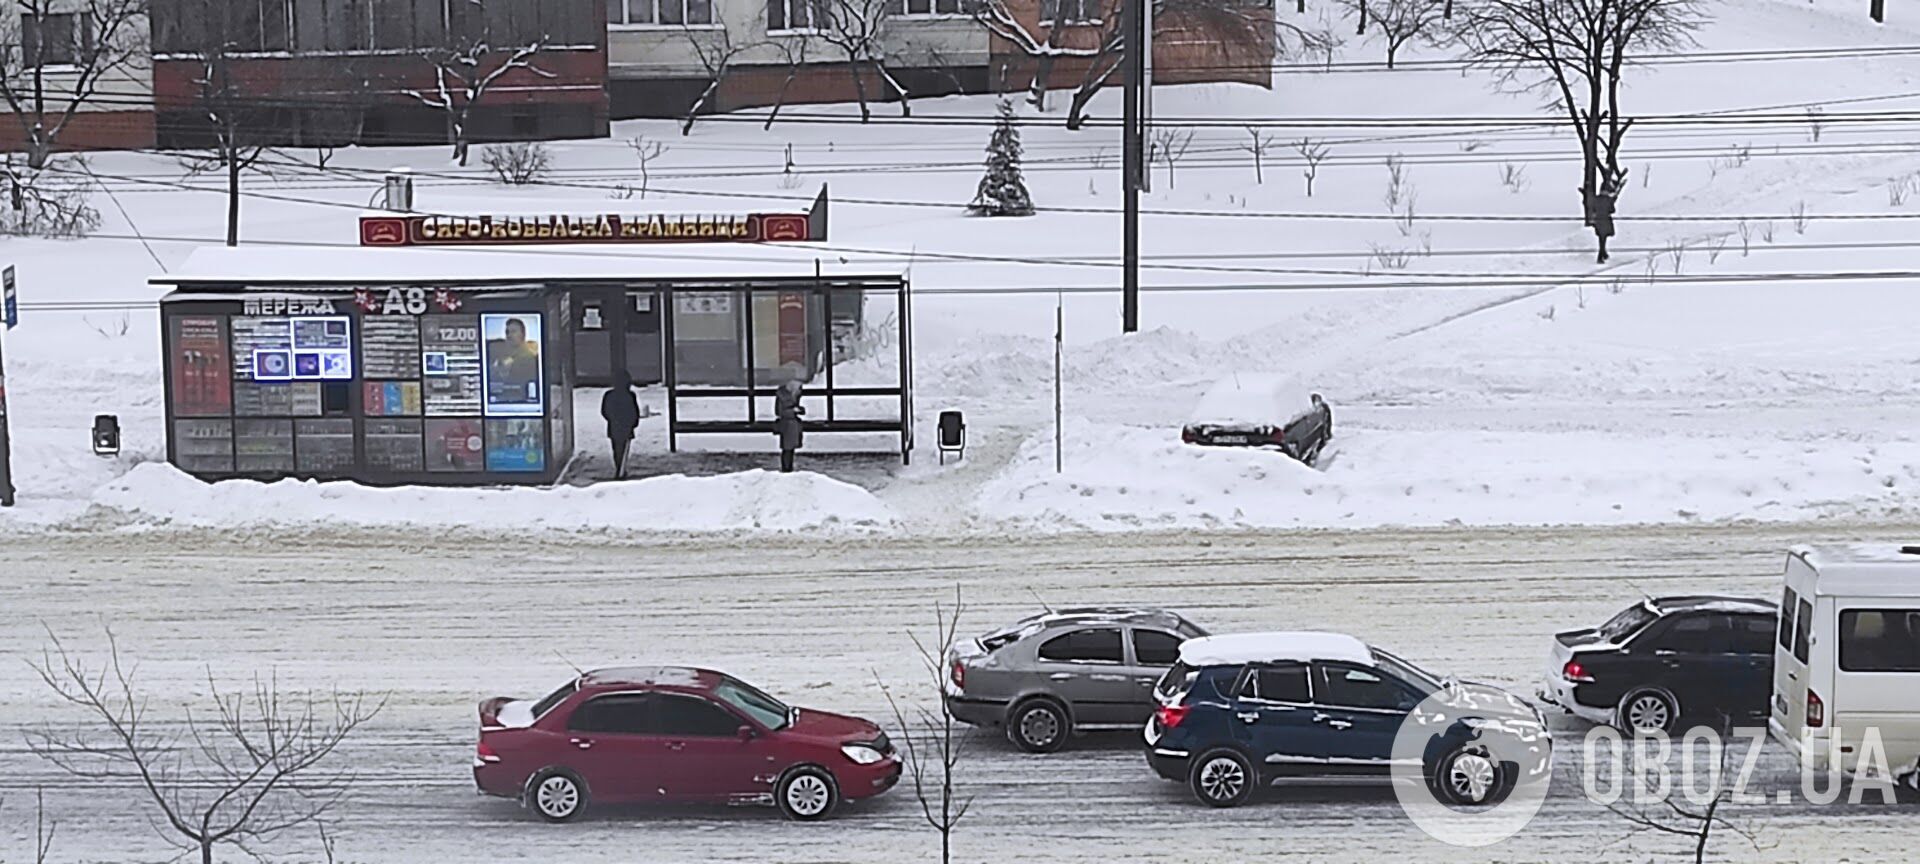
x,y
861,754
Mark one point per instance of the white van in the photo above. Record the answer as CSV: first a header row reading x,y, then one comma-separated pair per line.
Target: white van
x,y
1848,656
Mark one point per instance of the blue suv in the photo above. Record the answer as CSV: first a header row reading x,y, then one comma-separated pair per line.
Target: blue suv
x,y
1238,712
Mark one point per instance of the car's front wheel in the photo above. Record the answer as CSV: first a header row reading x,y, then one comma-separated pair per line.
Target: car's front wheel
x,y
1038,726
807,794
1222,778
1649,711
1469,778
557,795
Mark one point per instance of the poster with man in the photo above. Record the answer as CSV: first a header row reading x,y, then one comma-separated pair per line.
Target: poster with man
x,y
514,381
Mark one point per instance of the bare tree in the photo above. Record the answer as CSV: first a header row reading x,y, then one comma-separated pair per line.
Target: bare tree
x,y
238,125
795,52
934,754
1170,145
1233,25
858,28
646,151
1399,21
716,51
1260,141
466,69
1650,805
1313,152
253,770
1044,48
49,71
1576,51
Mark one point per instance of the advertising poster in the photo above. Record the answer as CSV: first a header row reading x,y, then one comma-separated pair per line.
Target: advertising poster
x,y
513,382
455,445
202,374
203,445
263,446
325,446
322,348
253,399
394,446
450,364
516,445
793,329
391,398
390,347
262,343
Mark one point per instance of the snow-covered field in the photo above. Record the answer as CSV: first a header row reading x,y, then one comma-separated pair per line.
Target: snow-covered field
x,y
1492,394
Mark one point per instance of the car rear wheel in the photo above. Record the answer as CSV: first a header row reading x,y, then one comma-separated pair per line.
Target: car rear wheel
x,y
1469,778
1222,778
557,796
807,794
1038,726
1648,711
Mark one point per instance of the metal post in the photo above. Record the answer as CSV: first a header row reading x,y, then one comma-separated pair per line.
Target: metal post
x,y
670,360
1131,165
1059,350
1146,94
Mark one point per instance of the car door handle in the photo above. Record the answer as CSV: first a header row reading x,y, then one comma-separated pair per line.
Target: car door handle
x,y
1249,716
583,743
1333,721
1108,677
1061,676
676,746
1793,676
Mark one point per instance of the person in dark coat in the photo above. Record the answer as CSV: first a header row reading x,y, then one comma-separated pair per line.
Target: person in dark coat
x,y
1600,212
786,422
622,413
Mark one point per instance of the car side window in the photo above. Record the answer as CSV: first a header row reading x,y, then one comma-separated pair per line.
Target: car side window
x,y
620,713
1685,634
1753,635
1803,631
693,716
1100,645
1279,682
1880,640
1788,604
1347,686
1155,648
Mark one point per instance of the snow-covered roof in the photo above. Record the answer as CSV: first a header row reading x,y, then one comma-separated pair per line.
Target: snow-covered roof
x,y
660,676
1710,603
1238,648
358,265
1864,569
1254,399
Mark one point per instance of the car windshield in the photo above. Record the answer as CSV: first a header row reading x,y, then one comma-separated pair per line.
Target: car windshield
x,y
1630,621
1413,675
770,712
556,697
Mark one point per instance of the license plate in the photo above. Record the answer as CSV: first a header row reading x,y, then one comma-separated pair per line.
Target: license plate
x,y
1780,704
1233,439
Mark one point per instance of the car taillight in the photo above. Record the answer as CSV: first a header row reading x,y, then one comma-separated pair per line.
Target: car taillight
x,y
959,675
1575,672
1816,711
485,753
1188,436
1170,716
1278,434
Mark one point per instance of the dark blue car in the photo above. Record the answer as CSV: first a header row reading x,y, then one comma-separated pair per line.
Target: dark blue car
x,y
1238,712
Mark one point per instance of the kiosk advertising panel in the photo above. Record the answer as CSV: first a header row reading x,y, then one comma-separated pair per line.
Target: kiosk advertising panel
x,y
513,381
202,376
450,364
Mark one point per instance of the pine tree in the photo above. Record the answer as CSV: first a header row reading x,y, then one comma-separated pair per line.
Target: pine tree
x,y
1003,192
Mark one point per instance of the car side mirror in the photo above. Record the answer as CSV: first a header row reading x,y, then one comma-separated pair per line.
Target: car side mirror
x,y
1317,400
745,733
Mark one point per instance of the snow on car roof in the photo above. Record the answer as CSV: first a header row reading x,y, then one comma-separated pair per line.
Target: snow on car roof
x,y
1868,569
647,676
1711,603
1255,399
1238,648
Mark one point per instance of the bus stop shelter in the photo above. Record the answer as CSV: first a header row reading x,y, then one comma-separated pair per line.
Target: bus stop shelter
x,y
458,366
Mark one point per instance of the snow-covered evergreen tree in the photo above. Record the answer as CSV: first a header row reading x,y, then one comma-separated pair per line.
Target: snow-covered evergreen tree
x,y
1003,192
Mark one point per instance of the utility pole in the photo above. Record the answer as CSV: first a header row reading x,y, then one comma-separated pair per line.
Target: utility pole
x,y
1133,158
1059,351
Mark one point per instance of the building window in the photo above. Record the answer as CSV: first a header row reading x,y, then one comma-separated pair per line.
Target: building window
x,y
1078,11
669,13
796,14
61,39
929,8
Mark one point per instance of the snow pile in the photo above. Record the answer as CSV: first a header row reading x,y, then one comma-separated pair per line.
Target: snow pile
x,y
1121,477
749,500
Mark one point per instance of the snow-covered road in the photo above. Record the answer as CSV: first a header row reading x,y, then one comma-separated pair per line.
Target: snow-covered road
x,y
440,621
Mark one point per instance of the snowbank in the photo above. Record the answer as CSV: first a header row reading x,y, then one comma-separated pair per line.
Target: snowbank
x,y
750,500
1121,477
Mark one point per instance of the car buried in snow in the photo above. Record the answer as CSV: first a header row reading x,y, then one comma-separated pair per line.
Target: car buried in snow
x,y
675,735
1665,660
1276,411
1243,711
1056,674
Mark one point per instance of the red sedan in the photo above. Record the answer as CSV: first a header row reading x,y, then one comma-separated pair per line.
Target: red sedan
x,y
630,736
